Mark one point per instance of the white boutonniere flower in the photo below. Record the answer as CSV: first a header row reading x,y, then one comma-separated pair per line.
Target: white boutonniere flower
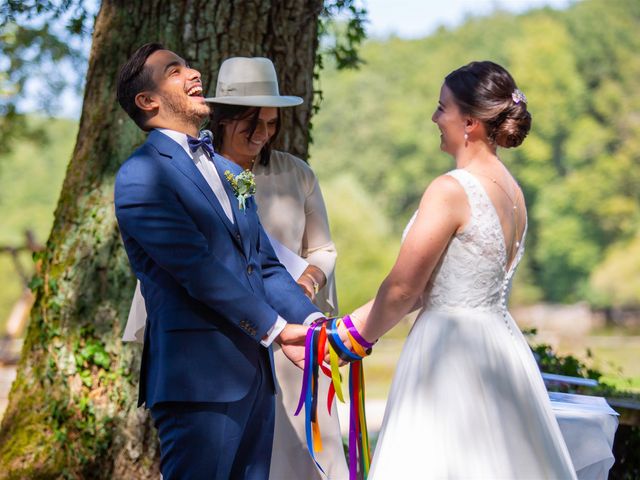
x,y
243,185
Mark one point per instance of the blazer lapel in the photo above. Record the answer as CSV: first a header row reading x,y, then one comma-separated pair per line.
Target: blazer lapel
x,y
185,164
239,216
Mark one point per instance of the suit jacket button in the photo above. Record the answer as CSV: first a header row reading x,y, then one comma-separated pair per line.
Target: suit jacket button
x,y
249,269
237,236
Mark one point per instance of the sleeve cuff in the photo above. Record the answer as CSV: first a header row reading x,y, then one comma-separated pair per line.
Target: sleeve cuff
x,y
275,330
322,257
312,317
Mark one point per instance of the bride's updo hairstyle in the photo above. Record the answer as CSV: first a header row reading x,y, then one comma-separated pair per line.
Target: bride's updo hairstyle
x,y
486,91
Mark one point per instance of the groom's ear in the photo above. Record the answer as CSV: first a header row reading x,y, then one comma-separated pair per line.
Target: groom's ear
x,y
146,102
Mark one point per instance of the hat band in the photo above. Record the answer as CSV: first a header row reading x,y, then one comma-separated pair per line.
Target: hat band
x,y
247,89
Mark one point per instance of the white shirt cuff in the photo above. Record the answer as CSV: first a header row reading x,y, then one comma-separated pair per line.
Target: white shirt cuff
x,y
279,325
274,331
311,318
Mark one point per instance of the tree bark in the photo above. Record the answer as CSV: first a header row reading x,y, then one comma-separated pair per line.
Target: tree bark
x,y
72,409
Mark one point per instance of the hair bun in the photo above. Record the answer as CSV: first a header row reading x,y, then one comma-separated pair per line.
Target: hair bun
x,y
486,91
514,127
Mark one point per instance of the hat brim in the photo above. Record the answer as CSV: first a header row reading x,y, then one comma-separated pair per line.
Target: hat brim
x,y
258,100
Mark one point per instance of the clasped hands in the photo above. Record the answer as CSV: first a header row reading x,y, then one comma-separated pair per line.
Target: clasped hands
x,y
292,341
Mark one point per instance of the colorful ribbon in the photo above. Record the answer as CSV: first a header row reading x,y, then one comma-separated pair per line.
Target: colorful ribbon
x,y
323,332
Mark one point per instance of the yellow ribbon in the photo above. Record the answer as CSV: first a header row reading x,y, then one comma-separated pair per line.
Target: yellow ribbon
x,y
335,372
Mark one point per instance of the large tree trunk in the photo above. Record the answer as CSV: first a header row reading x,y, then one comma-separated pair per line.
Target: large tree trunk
x,y
72,409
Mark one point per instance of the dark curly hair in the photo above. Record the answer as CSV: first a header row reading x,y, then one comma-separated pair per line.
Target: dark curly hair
x,y
484,90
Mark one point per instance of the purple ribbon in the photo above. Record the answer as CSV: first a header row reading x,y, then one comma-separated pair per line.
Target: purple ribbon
x,y
307,369
354,332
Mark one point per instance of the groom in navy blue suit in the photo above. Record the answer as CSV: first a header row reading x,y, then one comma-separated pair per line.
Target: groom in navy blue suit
x,y
215,293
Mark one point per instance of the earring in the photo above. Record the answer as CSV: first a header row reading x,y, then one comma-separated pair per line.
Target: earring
x,y
466,136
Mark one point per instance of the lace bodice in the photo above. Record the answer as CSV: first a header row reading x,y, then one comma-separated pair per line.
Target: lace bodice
x,y
466,367
473,271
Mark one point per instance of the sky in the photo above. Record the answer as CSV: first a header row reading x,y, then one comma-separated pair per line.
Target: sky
x,y
419,18
402,18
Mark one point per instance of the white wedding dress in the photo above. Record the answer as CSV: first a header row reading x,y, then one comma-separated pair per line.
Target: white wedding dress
x,y
467,399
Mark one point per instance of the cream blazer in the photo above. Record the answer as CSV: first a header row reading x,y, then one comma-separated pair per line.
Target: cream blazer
x,y
292,210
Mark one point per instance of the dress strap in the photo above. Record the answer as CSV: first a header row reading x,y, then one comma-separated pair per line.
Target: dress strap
x,y
473,189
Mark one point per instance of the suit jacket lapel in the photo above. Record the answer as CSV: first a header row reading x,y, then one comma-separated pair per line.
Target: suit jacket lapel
x,y
239,216
185,164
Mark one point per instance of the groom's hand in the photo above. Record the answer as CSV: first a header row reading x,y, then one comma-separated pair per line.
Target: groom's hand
x,y
292,339
292,334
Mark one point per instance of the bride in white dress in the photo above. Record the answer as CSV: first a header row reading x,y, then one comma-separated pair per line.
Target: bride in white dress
x,y
467,400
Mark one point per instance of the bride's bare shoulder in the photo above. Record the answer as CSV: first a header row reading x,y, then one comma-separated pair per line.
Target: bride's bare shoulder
x,y
445,188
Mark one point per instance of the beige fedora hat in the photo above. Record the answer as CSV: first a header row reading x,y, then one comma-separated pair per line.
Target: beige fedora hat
x,y
250,82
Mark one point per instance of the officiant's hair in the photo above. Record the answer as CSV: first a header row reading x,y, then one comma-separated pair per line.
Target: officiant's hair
x,y
486,91
134,78
223,112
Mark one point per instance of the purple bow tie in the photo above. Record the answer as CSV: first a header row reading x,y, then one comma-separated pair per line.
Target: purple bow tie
x,y
204,141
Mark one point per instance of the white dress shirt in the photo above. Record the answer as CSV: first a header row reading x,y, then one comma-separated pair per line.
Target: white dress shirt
x,y
206,167
210,174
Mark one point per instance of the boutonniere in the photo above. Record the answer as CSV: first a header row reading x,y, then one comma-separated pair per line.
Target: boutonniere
x,y
243,185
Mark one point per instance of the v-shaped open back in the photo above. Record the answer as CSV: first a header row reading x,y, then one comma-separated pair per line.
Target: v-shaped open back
x,y
510,262
465,363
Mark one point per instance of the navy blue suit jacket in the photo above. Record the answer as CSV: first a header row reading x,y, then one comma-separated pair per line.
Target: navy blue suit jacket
x,y
212,288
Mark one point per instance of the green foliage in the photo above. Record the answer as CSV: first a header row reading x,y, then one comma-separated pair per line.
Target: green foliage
x,y
363,238
615,281
342,21
36,37
627,441
340,35
550,362
30,182
524,290
579,166
65,411
31,179
76,363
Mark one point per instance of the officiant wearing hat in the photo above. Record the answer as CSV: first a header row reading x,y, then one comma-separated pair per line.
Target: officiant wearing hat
x,y
245,124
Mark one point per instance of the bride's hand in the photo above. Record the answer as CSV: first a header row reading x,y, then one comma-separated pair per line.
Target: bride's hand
x,y
359,324
342,332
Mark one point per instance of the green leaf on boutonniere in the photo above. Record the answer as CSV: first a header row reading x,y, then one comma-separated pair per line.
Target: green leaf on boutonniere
x,y
243,185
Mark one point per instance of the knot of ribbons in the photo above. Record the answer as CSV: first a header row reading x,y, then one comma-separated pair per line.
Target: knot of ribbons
x,y
322,332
